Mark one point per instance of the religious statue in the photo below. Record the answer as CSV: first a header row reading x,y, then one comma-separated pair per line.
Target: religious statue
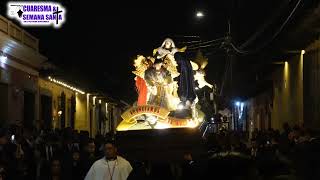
x,y
198,65
180,69
141,64
166,53
159,82
167,48
186,90
166,86
169,74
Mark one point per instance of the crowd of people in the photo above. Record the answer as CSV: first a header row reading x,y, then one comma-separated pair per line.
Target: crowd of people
x,y
292,153
47,154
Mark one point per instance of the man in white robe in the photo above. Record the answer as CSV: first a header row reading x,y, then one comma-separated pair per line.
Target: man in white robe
x,y
110,167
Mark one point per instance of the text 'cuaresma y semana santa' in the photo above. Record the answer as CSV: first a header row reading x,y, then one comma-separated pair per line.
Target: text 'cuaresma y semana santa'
x,y
41,17
37,8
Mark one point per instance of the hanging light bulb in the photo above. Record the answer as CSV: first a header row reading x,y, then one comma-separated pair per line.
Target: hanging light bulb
x,y
65,85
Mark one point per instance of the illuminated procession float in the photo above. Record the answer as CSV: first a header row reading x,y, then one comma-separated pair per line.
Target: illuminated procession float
x,y
166,84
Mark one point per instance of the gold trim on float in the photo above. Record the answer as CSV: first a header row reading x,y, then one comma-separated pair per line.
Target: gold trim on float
x,y
136,111
164,121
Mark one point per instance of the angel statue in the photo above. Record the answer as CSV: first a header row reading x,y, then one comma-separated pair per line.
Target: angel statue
x,y
198,66
204,89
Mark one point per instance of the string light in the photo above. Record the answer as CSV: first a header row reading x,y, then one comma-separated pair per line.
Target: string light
x,y
65,85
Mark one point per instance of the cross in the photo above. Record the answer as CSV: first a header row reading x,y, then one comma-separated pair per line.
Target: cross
x,y
18,12
57,13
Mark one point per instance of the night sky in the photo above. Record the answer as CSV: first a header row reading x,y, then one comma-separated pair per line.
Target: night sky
x,y
97,44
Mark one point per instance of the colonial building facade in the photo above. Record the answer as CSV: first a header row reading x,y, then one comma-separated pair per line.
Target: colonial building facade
x,y
31,100
19,66
294,96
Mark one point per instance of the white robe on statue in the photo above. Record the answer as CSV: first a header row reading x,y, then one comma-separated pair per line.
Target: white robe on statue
x,y
118,169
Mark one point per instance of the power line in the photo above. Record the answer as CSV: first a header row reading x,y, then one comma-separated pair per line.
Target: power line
x,y
189,42
225,75
183,36
264,26
204,46
207,42
239,50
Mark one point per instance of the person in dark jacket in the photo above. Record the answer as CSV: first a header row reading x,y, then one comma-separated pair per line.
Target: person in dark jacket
x,y
72,166
88,157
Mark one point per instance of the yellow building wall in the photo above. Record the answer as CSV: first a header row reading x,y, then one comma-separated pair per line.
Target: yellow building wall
x,y
81,122
94,119
312,86
288,94
55,91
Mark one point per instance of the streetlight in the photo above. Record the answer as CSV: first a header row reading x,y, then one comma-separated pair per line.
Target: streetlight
x,y
199,14
237,103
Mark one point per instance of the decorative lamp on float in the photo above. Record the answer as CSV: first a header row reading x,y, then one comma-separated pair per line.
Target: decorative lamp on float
x,y
180,106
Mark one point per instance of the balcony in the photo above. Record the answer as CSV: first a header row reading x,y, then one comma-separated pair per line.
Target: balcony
x,y
18,34
19,46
